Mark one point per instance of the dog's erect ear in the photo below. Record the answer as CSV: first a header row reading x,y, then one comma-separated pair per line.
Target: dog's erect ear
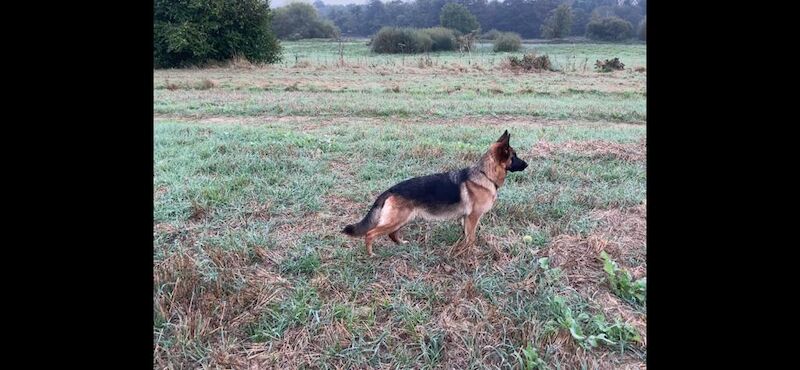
x,y
503,151
505,138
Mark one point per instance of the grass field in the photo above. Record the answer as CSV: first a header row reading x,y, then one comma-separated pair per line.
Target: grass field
x,y
258,168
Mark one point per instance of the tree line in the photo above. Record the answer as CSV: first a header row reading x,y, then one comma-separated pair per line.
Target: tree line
x,y
192,32
528,18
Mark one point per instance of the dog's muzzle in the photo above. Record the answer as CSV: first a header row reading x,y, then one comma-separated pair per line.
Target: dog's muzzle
x,y
517,165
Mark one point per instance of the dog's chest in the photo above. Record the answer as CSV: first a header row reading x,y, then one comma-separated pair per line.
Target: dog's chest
x,y
483,199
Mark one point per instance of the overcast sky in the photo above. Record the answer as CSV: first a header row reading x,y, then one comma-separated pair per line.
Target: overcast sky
x,y
277,3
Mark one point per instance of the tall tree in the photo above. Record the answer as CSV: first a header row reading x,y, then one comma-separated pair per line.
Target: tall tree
x,y
559,23
189,32
457,17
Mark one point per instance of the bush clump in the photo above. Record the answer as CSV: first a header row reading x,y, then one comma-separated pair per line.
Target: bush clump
x,y
530,62
609,29
609,65
395,40
507,41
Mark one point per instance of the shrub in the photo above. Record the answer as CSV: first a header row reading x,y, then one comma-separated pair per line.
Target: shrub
x,y
443,39
466,41
195,31
507,41
608,29
400,40
491,35
530,62
609,65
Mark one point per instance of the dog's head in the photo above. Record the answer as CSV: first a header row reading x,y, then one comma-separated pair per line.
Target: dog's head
x,y
505,155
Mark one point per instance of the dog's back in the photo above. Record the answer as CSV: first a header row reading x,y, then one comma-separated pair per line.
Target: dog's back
x,y
434,193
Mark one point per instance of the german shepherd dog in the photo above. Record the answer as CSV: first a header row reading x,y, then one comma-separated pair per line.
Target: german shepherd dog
x,y
467,193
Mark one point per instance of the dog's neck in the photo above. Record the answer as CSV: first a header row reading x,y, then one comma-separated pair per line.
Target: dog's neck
x,y
496,187
489,168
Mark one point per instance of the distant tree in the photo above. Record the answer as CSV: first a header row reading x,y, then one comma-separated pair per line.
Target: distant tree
x,y
188,32
525,17
457,17
630,13
301,21
375,16
559,23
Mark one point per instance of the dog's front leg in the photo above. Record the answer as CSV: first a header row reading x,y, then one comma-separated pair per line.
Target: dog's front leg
x,y
470,226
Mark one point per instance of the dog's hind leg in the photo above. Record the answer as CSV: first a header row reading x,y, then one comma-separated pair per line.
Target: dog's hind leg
x,y
397,238
368,243
377,233
393,217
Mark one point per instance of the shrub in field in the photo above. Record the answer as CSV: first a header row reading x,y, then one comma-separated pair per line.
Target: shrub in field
x,y
466,42
443,39
195,31
507,41
400,40
609,65
609,29
491,35
529,62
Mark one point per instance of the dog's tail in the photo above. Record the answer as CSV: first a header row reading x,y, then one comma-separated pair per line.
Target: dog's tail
x,y
369,221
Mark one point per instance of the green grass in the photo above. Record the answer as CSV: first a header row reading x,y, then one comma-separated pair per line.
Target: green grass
x,y
247,103
327,52
250,268
621,282
453,86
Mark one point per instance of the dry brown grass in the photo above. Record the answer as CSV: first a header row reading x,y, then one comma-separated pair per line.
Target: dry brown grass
x,y
292,87
635,152
470,325
171,86
622,234
206,84
302,64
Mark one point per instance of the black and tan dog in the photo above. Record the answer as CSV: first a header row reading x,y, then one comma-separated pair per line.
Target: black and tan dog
x,y
467,194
